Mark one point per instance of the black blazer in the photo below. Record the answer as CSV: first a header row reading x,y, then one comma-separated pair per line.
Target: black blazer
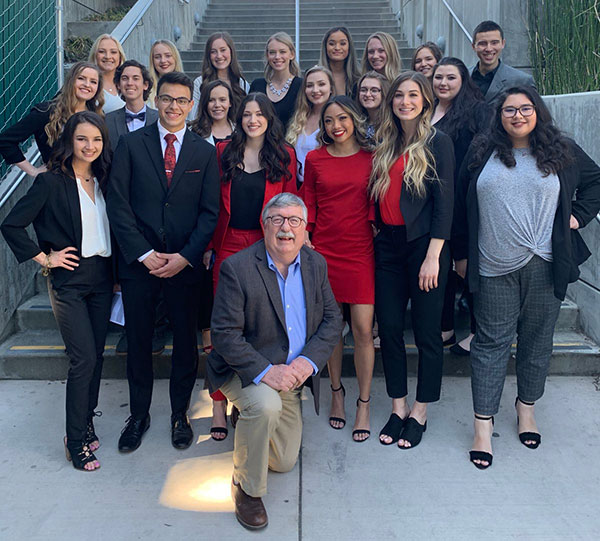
x,y
117,126
52,205
580,179
432,214
145,215
33,123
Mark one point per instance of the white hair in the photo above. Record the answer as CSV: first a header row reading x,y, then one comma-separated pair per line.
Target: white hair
x,y
283,200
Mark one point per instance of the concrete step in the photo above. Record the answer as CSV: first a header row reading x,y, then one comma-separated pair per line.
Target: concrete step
x,y
39,355
365,16
366,24
311,41
305,4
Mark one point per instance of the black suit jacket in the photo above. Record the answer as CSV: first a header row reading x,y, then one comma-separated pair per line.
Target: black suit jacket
x,y
32,124
146,215
117,126
579,179
52,205
248,321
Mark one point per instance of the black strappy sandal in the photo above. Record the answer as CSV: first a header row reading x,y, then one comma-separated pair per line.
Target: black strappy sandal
x,y
413,432
90,439
80,455
525,437
338,419
361,431
392,429
482,455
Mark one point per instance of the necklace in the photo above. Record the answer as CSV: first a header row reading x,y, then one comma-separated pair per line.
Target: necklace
x,y
283,90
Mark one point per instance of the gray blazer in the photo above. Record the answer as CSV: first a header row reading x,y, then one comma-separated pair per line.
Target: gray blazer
x,y
505,78
248,323
115,122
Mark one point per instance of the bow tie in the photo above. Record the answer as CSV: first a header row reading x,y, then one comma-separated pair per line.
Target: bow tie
x,y
140,116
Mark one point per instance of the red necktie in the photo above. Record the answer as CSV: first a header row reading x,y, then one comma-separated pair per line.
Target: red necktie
x,y
170,157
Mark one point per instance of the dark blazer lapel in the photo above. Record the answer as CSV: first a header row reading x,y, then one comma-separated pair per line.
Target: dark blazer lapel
x,y
121,123
270,281
151,140
74,207
308,280
151,116
185,155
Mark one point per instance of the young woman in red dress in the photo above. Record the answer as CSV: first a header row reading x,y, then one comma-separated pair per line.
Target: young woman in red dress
x,y
255,165
339,218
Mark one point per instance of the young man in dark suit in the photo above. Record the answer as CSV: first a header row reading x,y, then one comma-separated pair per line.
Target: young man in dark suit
x,y
274,324
163,203
490,74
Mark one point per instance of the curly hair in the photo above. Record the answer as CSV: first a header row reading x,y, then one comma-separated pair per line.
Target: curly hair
x,y
273,157
304,106
548,145
62,153
468,108
350,65
358,120
64,104
202,124
420,163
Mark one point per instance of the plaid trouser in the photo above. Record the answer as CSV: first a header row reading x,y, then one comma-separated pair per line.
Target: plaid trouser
x,y
521,304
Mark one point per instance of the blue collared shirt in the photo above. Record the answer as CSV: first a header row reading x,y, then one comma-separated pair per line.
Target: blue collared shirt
x,y
294,308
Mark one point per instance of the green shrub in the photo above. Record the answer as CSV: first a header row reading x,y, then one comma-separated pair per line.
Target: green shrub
x,y
77,48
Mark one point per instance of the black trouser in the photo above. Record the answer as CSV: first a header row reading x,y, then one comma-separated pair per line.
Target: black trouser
x,y
454,280
82,310
139,301
397,266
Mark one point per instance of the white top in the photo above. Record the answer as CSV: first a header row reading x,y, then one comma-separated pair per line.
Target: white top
x,y
304,145
111,103
136,123
95,239
244,85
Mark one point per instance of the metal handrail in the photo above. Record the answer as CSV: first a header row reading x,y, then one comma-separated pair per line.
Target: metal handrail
x,y
131,20
458,21
32,155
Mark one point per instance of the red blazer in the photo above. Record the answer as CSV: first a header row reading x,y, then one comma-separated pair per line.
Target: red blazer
x,y
271,190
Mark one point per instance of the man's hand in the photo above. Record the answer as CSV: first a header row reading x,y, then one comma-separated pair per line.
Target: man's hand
x,y
302,370
154,262
175,264
281,377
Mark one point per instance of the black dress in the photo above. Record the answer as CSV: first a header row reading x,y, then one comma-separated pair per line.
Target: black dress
x,y
34,123
285,108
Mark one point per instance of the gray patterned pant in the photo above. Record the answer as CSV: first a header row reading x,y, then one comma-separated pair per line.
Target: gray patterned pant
x,y
521,304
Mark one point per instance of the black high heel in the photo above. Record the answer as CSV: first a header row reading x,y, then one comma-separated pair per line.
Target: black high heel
x,y
90,437
535,437
80,455
338,419
482,455
360,431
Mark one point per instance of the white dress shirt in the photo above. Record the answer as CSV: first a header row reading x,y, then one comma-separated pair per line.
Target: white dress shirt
x,y
95,239
136,123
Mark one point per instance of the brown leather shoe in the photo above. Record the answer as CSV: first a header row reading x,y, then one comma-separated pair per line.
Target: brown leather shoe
x,y
249,511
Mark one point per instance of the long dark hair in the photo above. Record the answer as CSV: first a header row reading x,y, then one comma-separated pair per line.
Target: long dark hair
x,y
547,144
209,73
273,157
62,155
468,109
202,124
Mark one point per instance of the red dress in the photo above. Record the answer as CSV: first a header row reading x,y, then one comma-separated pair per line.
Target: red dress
x,y
340,213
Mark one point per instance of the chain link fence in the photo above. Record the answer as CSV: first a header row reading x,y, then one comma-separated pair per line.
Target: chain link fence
x,y
28,72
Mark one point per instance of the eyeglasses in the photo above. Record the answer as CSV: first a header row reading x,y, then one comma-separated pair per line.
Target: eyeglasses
x,y
525,110
278,221
364,90
165,99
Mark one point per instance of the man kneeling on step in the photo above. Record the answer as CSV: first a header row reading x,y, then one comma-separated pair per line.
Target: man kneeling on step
x,y
274,324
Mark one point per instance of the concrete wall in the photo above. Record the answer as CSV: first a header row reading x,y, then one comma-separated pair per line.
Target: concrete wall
x,y
76,12
158,22
511,15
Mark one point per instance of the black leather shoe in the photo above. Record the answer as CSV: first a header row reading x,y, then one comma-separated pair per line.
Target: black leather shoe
x,y
181,431
131,435
121,348
158,343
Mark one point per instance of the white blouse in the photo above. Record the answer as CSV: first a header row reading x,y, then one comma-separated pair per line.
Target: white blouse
x,y
95,238
111,103
304,144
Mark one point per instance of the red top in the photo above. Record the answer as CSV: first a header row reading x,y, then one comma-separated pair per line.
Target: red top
x,y
389,206
271,190
340,213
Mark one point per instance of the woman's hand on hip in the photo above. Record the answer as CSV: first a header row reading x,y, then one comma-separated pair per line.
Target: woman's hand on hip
x,y
428,275
64,258
573,223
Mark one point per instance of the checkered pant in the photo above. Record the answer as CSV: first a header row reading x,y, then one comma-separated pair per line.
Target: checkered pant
x,y
521,304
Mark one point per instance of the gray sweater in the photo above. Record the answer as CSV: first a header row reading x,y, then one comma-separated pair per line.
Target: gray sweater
x,y
517,206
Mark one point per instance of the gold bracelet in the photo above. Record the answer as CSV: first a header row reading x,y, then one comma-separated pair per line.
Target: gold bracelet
x,y
47,266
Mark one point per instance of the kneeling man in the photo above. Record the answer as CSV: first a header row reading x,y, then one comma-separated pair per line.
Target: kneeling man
x,y
274,324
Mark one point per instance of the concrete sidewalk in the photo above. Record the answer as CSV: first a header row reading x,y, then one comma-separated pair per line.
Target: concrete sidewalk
x,y
338,490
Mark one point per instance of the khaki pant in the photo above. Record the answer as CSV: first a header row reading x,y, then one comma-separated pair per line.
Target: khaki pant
x,y
267,435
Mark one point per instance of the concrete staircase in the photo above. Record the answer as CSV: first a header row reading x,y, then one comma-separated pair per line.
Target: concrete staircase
x,y
251,23
36,350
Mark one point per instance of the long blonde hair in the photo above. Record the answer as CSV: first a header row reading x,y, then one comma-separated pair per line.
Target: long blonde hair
x,y
304,106
153,73
393,64
64,104
284,38
350,67
419,166
96,46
